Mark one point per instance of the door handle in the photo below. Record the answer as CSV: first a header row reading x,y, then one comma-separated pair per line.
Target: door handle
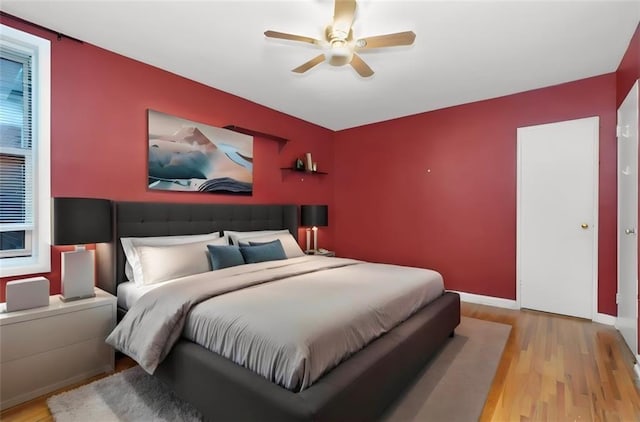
x,y
630,231
584,226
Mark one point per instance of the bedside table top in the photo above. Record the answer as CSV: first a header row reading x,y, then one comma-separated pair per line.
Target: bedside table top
x,y
56,306
318,253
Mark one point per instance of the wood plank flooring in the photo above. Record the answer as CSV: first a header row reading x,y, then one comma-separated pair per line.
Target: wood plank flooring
x,y
557,368
553,368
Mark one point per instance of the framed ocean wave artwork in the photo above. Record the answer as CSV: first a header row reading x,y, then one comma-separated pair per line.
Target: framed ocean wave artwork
x,y
194,157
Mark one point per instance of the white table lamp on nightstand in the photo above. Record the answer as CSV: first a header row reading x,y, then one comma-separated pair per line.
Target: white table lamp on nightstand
x,y
79,221
314,216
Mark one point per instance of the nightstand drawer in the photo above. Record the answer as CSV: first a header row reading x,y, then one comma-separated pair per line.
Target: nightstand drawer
x,y
27,338
24,379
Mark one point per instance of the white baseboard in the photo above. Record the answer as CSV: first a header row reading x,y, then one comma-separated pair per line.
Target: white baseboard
x,y
487,300
605,319
499,302
636,367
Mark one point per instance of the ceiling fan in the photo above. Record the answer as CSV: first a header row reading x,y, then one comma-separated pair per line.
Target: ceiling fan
x,y
338,41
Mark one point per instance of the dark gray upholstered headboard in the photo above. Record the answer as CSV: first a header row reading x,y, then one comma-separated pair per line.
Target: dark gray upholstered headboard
x,y
142,219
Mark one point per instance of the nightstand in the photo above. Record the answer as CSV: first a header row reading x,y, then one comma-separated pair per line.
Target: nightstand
x,y
318,253
43,349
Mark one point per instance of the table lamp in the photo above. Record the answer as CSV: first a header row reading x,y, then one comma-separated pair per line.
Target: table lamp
x,y
314,216
79,221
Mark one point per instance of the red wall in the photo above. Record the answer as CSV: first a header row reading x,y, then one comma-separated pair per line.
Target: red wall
x,y
460,218
99,103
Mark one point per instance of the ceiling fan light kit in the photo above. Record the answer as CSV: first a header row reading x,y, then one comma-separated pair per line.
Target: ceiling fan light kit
x,y
339,44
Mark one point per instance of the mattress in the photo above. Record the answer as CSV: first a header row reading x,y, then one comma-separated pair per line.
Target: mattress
x,y
128,292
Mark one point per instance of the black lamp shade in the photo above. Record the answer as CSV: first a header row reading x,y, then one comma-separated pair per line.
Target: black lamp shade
x,y
315,215
78,221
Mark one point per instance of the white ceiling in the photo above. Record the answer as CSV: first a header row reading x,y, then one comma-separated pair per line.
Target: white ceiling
x,y
464,51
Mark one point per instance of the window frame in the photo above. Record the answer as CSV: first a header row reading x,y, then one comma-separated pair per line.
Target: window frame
x,y
39,260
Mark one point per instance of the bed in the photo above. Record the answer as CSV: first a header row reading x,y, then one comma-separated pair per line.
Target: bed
x,y
359,388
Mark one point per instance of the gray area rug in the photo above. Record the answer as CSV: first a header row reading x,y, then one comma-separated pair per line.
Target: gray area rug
x,y
452,387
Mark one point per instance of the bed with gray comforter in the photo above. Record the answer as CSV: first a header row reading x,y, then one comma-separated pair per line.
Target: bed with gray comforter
x,y
290,321
173,330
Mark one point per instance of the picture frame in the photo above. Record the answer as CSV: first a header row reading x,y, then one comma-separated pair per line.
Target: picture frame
x,y
190,156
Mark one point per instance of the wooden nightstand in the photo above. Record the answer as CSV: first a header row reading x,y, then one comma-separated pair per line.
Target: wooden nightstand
x,y
318,253
43,349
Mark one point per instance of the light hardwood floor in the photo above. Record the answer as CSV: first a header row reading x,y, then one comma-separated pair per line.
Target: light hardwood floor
x,y
553,368
557,368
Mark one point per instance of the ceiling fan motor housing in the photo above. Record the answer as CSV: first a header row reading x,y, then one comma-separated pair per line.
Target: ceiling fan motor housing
x,y
340,46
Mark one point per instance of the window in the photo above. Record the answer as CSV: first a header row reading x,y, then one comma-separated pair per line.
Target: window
x,y
25,86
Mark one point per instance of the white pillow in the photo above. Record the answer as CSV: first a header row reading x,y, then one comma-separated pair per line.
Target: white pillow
x,y
289,244
129,244
236,236
162,263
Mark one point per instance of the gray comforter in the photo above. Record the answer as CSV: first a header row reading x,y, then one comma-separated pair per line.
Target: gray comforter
x,y
290,321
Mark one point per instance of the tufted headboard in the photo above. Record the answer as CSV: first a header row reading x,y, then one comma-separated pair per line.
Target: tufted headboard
x,y
142,219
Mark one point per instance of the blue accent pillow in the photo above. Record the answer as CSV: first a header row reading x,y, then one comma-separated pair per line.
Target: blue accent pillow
x,y
261,252
222,256
252,243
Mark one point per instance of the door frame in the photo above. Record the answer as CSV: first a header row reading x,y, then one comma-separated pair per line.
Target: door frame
x,y
636,350
596,222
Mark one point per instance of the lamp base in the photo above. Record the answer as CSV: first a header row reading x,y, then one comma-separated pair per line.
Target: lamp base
x,y
315,238
78,275
71,299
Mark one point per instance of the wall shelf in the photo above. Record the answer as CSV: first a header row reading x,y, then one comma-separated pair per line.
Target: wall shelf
x,y
293,170
281,141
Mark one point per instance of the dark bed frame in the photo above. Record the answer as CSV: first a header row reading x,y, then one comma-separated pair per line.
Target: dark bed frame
x,y
359,389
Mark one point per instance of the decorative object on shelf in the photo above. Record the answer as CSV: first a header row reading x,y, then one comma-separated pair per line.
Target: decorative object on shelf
x,y
189,156
314,216
79,221
309,162
28,293
306,166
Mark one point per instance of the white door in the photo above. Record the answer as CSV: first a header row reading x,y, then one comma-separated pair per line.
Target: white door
x,y
627,321
557,216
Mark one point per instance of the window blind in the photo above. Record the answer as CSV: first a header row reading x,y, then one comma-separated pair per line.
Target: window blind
x,y
16,142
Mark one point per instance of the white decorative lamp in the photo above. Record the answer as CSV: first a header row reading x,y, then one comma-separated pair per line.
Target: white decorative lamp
x,y
79,221
314,216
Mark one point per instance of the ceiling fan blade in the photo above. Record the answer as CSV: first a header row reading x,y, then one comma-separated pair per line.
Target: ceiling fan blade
x,y
360,66
389,40
292,37
343,14
308,65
